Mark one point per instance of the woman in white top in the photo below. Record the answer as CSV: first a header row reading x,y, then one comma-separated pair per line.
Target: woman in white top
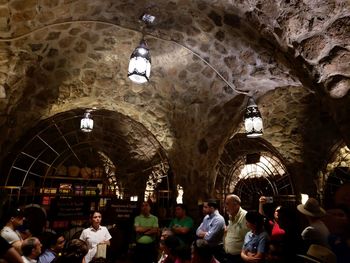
x,y
95,235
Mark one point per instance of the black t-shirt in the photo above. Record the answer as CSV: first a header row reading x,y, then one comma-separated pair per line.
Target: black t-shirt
x,y
4,246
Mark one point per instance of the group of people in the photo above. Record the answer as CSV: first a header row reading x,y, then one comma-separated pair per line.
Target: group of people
x,y
244,239
247,236
17,247
250,236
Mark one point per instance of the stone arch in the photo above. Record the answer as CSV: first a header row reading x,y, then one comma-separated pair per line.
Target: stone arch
x,y
333,182
116,139
251,168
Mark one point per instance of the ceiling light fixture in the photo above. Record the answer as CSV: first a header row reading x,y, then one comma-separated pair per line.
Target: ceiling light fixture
x,y
147,18
140,64
252,120
87,123
139,69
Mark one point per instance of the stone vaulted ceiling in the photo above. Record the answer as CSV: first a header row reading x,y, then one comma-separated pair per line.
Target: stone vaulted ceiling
x,y
207,58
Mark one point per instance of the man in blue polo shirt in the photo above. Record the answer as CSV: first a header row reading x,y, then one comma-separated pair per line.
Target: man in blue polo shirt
x,y
212,228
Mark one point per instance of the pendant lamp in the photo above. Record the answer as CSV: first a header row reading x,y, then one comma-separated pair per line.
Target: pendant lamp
x,y
140,64
253,122
86,123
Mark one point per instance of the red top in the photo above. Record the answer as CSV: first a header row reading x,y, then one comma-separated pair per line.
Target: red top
x,y
276,233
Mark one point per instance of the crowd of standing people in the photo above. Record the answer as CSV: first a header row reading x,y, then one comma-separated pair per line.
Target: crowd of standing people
x,y
247,236
237,236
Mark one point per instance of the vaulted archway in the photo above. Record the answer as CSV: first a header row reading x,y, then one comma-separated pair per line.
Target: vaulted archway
x,y
119,152
251,168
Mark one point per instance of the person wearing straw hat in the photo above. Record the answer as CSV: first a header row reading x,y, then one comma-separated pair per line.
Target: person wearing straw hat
x,y
318,254
317,232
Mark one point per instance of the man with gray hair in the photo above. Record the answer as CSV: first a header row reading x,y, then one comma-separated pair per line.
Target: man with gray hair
x,y
31,249
236,229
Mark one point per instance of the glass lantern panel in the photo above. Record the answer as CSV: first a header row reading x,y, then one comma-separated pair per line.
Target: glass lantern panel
x,y
248,124
258,124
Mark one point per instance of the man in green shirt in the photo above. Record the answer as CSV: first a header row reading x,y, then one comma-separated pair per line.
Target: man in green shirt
x,y
182,225
147,229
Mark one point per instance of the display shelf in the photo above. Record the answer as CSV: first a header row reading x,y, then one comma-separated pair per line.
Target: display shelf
x,y
74,178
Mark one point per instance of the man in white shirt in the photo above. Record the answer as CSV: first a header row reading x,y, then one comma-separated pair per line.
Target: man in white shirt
x,y
13,218
31,249
95,235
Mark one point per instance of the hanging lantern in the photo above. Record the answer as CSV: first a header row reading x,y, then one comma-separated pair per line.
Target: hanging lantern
x,y
252,120
140,64
86,123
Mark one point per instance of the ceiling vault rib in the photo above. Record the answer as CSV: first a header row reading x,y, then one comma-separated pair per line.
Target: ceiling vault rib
x,y
205,61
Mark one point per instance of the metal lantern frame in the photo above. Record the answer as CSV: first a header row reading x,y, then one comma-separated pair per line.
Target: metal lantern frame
x,y
139,69
253,122
87,123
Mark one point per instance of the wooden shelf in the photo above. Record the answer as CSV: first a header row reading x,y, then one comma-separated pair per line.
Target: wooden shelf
x,y
74,178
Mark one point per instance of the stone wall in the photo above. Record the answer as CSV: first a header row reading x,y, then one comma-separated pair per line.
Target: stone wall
x,y
206,55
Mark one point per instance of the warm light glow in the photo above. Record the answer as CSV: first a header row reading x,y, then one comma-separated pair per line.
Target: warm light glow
x,y
304,198
262,165
180,193
86,123
134,198
154,179
257,169
110,172
142,51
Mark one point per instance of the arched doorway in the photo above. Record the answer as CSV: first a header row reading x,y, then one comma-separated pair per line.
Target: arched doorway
x,y
251,168
334,178
63,169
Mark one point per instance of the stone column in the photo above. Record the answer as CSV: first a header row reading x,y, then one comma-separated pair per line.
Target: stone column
x,y
200,133
303,179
